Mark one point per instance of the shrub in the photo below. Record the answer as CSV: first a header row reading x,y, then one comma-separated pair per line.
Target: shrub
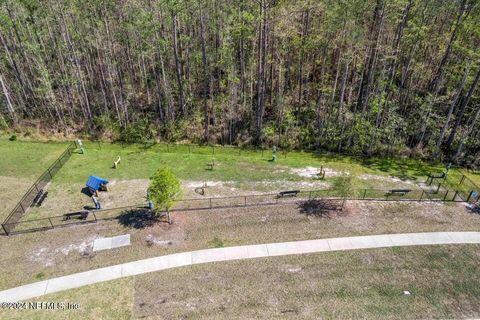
x,y
164,189
139,131
13,137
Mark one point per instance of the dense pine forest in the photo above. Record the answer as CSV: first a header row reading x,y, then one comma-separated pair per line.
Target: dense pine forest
x,y
356,76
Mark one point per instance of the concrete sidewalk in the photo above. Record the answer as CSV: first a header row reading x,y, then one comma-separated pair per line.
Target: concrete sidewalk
x,y
234,253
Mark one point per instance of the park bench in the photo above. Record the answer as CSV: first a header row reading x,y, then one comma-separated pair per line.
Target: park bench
x,y
39,198
400,192
291,193
439,176
80,215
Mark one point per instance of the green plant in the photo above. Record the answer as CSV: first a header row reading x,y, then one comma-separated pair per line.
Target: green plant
x,y
139,131
13,137
217,242
164,189
344,187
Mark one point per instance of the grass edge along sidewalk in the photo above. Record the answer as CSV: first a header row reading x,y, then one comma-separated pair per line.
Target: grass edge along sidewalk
x,y
36,190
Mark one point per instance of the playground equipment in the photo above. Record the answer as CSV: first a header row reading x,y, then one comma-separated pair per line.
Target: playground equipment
x,y
400,192
211,165
150,202
321,173
82,215
201,190
97,203
95,184
80,146
290,193
116,163
442,175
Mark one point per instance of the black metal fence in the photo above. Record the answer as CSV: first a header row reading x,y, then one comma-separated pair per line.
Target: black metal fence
x,y
36,190
229,202
221,150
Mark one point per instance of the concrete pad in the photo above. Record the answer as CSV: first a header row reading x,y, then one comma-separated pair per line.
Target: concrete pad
x,y
208,255
145,266
311,246
102,244
110,243
282,248
28,291
121,241
84,278
257,251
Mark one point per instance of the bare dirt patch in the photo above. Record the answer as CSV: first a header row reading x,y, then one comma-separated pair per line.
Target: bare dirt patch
x,y
312,172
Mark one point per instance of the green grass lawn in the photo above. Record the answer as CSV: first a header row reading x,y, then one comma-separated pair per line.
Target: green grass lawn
x,y
246,171
141,161
21,163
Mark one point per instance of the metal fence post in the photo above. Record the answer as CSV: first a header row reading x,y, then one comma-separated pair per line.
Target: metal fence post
x,y
364,193
438,188
210,202
421,196
445,197
50,220
470,196
245,201
48,170
461,180
4,229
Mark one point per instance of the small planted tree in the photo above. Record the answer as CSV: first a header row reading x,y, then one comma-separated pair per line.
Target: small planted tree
x,y
164,190
344,188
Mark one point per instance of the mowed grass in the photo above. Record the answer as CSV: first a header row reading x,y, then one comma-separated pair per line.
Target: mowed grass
x,y
62,251
443,282
141,161
250,171
21,163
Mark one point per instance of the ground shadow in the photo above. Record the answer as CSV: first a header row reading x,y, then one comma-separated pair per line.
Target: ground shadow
x,y
321,208
138,218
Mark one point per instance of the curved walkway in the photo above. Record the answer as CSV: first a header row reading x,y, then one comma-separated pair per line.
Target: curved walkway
x,y
233,253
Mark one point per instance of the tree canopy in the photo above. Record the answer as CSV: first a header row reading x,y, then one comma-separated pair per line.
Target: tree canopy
x,y
358,76
164,189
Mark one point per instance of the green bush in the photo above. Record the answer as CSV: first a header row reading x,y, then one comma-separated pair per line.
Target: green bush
x,y
164,189
140,131
13,137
